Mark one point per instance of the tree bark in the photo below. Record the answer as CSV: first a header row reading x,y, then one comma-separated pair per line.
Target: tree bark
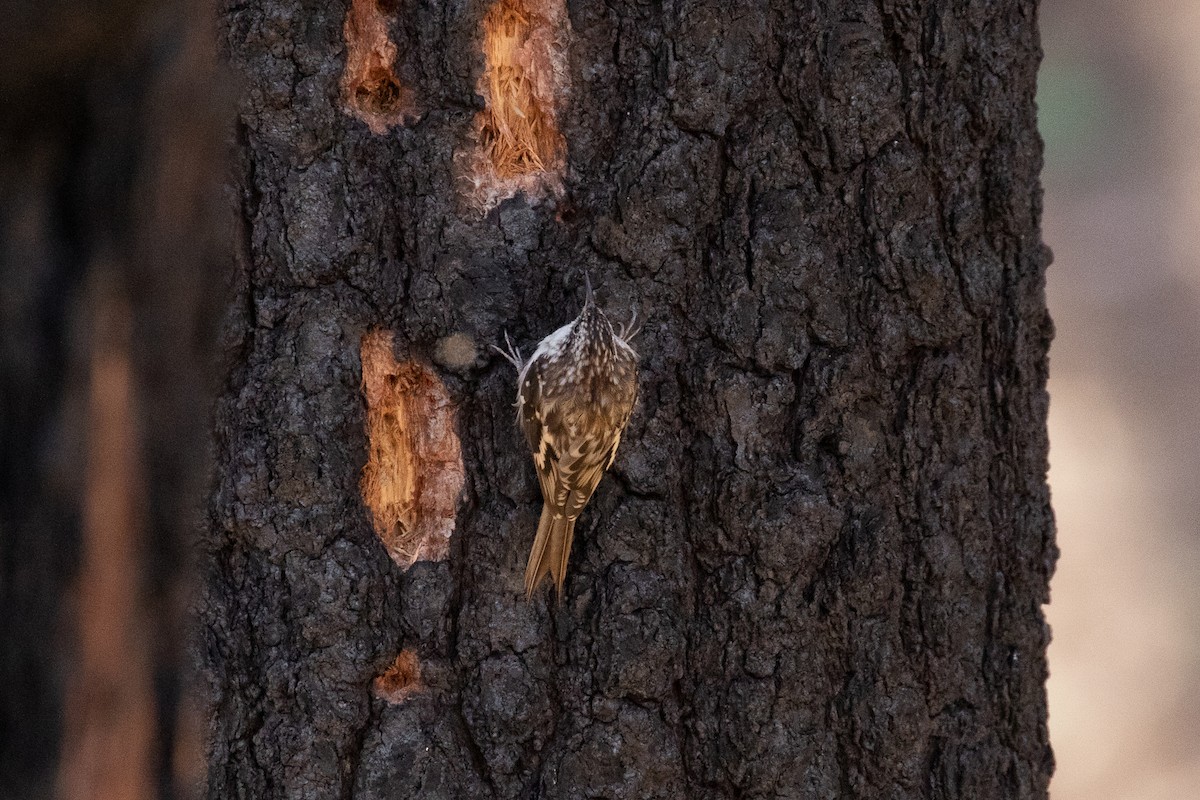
x,y
817,567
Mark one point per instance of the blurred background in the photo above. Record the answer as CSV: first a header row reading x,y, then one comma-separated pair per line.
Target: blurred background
x,y
126,164
112,151
1119,109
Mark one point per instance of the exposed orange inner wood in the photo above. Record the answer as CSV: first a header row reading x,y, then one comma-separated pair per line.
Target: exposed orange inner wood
x,y
524,82
414,471
517,130
401,680
370,89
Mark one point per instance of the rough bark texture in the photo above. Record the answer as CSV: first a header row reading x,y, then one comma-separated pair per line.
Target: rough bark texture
x,y
817,567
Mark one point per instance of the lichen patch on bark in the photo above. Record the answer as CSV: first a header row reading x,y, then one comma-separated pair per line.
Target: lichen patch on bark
x,y
519,147
371,89
414,472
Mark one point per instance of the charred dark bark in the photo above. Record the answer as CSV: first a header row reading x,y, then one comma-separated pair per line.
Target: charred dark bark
x,y
817,567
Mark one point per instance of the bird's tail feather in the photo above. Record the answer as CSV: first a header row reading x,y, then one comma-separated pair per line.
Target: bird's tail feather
x,y
551,551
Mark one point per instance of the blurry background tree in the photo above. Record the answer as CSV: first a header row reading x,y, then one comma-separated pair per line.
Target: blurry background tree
x,y
111,263
90,95
1119,102
818,566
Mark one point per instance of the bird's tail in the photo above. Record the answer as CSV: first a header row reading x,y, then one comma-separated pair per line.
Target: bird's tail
x,y
551,551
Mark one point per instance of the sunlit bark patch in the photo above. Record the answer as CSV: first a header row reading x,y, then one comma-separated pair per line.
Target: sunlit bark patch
x,y
414,472
371,90
401,680
519,146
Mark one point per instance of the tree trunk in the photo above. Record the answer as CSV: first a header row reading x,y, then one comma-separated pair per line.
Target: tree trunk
x,y
817,566
110,294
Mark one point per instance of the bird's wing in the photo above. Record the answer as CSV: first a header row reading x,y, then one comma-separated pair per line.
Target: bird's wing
x,y
569,468
580,471
530,411
620,428
612,453
529,390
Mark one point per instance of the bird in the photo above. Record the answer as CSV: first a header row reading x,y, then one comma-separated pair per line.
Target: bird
x,y
575,396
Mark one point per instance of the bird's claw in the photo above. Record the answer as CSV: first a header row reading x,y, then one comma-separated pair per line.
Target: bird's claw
x,y
512,355
630,330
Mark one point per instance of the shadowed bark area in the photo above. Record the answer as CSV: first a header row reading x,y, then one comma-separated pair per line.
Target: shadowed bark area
x,y
817,567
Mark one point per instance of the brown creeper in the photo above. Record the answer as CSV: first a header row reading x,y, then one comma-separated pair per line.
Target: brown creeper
x,y
574,398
